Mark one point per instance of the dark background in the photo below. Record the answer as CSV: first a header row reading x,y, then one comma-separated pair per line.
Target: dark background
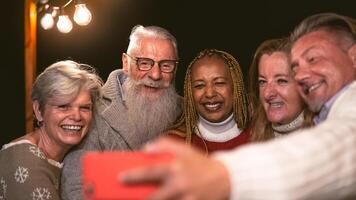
x,y
234,26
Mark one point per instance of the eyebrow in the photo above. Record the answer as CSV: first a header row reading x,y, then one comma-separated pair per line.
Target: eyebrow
x,y
219,77
276,76
294,63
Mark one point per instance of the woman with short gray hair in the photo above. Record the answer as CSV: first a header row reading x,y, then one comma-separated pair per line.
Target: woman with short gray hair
x,y
63,96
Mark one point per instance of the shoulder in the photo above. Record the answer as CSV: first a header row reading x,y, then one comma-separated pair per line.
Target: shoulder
x,y
178,131
345,104
26,168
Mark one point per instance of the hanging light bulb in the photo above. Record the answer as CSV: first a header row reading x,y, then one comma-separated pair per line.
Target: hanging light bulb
x,y
64,24
82,15
47,21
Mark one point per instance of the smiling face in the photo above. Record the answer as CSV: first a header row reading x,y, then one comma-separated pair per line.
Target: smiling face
x,y
277,89
66,124
153,81
212,88
321,67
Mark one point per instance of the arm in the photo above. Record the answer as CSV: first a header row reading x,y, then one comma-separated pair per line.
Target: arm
x,y
318,163
71,183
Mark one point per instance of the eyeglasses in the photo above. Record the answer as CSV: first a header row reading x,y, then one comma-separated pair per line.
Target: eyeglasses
x,y
146,64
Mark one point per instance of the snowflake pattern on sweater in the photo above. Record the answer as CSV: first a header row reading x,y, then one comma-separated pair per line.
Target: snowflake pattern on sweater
x,y
26,168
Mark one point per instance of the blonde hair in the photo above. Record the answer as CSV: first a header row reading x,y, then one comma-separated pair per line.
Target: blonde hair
x,y
261,128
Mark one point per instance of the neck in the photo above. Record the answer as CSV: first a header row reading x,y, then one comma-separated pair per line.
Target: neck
x,y
51,149
217,132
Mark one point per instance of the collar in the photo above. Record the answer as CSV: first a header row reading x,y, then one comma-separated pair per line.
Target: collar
x,y
324,111
217,132
121,78
291,126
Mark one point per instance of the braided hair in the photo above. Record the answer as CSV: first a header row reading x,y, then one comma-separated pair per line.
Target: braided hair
x,y
240,100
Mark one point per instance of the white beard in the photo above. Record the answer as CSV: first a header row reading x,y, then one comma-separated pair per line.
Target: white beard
x,y
150,117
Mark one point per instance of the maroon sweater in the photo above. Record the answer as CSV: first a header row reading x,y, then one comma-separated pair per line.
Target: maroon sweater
x,y
210,147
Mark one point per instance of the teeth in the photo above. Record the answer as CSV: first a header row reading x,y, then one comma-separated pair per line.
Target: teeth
x,y
308,90
314,87
276,104
72,127
213,106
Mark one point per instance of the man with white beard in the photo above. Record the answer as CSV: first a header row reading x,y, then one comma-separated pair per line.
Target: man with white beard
x,y
138,103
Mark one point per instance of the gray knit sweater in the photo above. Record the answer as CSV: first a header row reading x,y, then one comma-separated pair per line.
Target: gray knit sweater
x,y
110,131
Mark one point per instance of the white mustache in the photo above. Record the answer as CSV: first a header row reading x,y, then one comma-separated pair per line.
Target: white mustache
x,y
151,83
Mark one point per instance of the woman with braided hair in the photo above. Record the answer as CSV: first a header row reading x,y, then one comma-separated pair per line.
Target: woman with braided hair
x,y
216,111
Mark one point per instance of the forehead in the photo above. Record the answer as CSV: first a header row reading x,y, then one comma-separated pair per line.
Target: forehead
x,y
155,47
277,62
210,66
315,39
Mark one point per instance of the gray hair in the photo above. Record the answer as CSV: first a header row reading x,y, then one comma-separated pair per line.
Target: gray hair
x,y
63,80
138,32
343,27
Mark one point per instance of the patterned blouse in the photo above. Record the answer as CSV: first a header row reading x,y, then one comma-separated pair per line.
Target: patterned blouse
x,y
26,173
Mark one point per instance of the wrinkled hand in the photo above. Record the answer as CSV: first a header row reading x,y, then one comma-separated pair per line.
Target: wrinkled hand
x,y
190,176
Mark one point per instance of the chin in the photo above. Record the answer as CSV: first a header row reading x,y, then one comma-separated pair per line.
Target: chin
x,y
151,95
74,140
275,120
315,106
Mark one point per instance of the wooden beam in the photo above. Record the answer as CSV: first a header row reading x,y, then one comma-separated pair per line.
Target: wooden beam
x,y
30,58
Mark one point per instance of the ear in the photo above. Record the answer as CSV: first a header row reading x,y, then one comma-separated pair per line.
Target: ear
x,y
352,54
125,63
37,111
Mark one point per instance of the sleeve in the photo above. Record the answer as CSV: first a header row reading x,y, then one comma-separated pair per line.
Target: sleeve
x,y
316,163
71,179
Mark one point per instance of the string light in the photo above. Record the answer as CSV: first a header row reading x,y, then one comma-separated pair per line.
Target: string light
x,y
47,21
64,24
82,16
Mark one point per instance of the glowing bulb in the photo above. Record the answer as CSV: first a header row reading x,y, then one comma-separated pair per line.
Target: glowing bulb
x,y
82,15
47,21
64,24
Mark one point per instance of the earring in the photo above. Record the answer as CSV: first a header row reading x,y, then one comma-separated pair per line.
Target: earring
x,y
39,123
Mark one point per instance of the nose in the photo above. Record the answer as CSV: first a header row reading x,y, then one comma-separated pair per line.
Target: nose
x,y
210,91
75,114
269,91
155,73
301,74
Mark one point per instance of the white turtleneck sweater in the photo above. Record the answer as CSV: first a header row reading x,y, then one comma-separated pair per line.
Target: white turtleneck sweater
x,y
217,132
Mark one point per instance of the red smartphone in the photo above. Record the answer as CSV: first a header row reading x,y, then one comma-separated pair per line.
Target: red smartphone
x,y
100,171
